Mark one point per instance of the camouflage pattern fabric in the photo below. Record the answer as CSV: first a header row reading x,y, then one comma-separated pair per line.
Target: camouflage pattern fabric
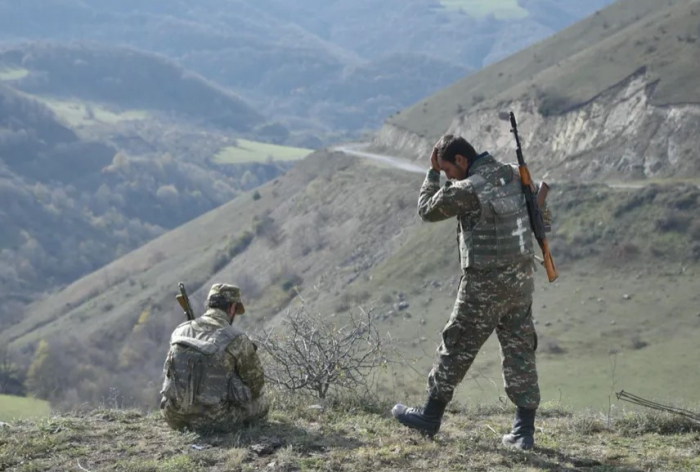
x,y
212,376
490,300
228,292
495,298
223,419
493,224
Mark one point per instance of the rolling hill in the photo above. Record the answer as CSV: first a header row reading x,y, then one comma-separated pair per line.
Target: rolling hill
x,y
613,96
338,233
96,160
125,78
301,63
344,234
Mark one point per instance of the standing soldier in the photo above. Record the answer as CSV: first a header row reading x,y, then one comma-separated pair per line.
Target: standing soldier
x,y
495,291
213,377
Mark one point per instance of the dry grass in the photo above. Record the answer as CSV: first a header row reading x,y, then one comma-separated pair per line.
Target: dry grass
x,y
345,438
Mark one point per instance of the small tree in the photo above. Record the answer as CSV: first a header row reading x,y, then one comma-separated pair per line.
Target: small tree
x,y
11,377
44,377
307,353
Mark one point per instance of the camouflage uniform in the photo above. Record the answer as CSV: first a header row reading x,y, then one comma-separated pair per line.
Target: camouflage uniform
x,y
495,292
213,377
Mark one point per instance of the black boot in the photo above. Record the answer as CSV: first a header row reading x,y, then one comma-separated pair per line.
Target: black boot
x,y
522,435
426,420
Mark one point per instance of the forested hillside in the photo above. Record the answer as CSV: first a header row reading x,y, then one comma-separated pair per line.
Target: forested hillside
x,y
86,178
327,70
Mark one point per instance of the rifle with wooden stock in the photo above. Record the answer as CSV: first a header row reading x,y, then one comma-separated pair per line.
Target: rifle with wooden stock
x,y
184,302
534,202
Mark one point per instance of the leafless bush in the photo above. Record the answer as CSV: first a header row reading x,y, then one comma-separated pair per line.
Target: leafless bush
x,y
695,230
673,221
266,227
638,343
621,254
307,239
551,346
307,353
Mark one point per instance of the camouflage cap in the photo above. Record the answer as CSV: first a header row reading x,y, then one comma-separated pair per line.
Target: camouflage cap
x,y
230,293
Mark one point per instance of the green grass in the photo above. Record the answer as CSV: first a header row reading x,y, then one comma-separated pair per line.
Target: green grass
x,y
13,73
501,9
79,113
343,437
253,151
12,408
585,312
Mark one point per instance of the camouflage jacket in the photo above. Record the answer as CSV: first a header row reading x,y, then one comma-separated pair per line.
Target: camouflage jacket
x,y
211,363
493,225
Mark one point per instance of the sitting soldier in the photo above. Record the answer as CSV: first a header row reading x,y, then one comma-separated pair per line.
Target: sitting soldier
x,y
213,377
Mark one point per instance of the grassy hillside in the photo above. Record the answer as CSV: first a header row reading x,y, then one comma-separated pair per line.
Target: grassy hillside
x,y
252,151
352,439
85,182
80,113
17,408
125,78
345,234
500,9
12,73
577,64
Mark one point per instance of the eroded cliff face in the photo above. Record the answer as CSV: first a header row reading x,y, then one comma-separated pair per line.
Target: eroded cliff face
x,y
618,135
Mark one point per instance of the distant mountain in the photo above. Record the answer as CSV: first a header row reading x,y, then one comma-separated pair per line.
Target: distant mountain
x,y
126,78
302,62
614,96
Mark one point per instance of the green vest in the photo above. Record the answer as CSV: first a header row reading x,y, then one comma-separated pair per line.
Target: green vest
x,y
502,235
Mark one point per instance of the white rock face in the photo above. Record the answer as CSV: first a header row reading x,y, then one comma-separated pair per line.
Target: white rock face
x,y
618,135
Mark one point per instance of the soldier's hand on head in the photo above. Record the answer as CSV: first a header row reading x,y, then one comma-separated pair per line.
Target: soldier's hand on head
x,y
434,160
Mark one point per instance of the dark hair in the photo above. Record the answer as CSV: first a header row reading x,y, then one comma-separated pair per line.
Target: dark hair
x,y
450,145
219,301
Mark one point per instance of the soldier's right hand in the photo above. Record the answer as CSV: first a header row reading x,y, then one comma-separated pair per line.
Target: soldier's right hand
x,y
434,160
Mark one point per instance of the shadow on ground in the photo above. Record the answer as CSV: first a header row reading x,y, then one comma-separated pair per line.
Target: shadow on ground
x,y
266,438
556,461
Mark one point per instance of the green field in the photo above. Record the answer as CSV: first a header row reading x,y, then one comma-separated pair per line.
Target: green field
x,y
253,151
12,73
501,9
12,408
78,113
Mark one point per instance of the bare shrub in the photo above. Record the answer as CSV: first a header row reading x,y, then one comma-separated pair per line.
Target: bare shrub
x,y
621,254
637,342
266,227
239,244
694,230
551,346
673,221
307,353
11,375
307,239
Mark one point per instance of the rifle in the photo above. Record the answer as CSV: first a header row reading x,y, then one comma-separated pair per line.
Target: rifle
x,y
184,302
533,209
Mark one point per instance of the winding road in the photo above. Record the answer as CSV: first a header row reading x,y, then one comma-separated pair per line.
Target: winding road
x,y
358,150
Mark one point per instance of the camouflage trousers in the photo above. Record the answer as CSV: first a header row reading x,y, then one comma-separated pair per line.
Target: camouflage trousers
x,y
490,300
222,419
